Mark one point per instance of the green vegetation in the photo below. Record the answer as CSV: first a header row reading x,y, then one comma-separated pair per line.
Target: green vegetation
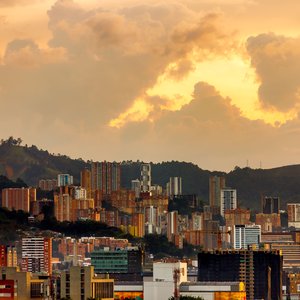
x,y
32,164
160,247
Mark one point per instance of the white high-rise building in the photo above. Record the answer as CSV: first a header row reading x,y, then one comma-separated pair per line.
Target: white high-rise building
x,y
174,186
228,200
79,193
64,179
246,235
145,178
37,255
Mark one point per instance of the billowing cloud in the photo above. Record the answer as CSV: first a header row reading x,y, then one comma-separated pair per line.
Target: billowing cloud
x,y
79,66
276,60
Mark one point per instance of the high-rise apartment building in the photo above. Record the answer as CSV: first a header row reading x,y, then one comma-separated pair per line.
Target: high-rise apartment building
x,y
138,224
174,186
48,184
270,205
136,187
216,183
228,200
86,182
18,198
259,270
37,255
172,224
67,208
64,180
246,235
106,176
145,178
293,215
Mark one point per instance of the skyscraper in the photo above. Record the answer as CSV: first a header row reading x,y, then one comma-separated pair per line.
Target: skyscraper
x,y
86,182
216,183
106,176
145,178
228,200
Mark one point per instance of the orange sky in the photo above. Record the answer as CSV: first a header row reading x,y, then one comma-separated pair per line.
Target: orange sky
x,y
214,82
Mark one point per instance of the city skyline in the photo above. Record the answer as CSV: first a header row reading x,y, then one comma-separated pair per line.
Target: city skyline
x,y
211,82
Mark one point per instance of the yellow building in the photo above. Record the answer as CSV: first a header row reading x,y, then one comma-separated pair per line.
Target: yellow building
x,y
26,285
81,283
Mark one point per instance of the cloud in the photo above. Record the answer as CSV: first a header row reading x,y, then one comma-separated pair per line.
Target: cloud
x,y
25,53
6,3
209,130
276,59
94,64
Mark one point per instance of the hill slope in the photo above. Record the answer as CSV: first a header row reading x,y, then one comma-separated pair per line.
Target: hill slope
x,y
31,164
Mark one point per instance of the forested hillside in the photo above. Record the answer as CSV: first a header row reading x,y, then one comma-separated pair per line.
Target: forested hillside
x,y
28,163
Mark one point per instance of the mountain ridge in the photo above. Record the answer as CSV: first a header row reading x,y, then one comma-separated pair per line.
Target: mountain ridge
x,y
31,164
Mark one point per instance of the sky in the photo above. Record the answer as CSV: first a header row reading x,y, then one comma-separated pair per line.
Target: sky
x,y
213,82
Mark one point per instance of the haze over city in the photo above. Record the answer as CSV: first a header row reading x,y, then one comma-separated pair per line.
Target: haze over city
x,y
212,82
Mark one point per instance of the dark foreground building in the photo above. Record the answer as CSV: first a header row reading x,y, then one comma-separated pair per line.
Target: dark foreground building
x,y
261,271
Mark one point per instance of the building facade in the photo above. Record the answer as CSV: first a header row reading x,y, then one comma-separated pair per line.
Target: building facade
x,y
216,184
246,235
228,200
260,271
80,283
105,176
37,255
18,198
64,180
145,178
293,215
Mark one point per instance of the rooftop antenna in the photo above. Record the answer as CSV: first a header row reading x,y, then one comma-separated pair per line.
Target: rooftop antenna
x,y
247,163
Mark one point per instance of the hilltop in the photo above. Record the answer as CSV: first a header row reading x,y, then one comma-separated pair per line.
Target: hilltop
x,y
28,163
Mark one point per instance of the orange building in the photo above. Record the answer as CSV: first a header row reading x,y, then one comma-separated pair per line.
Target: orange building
x,y
18,198
194,237
294,283
8,256
68,209
86,182
138,225
237,217
268,222
110,217
161,202
123,200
